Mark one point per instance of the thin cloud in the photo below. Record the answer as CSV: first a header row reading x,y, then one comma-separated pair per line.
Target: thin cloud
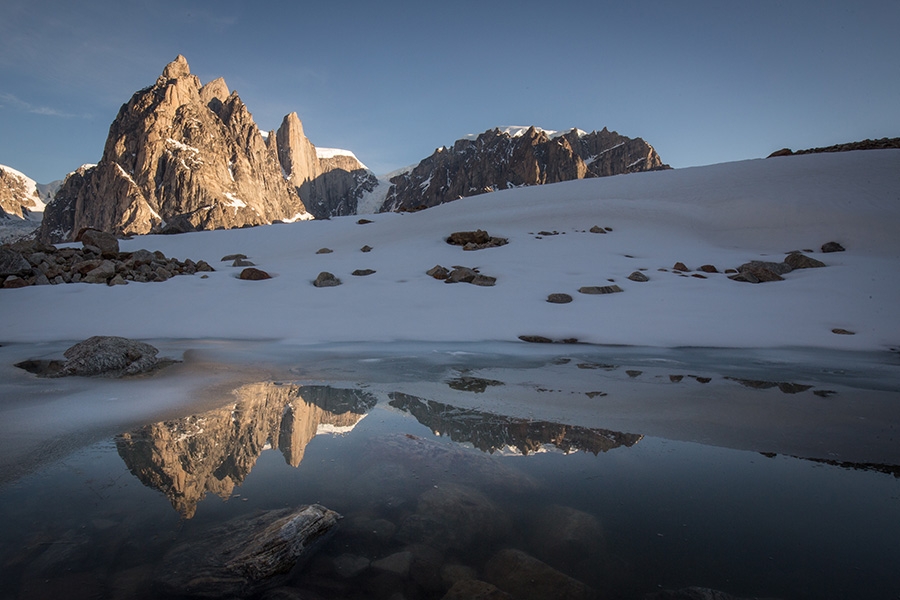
x,y
15,103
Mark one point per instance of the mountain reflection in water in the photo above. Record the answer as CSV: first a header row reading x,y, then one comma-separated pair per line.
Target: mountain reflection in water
x,y
214,451
491,433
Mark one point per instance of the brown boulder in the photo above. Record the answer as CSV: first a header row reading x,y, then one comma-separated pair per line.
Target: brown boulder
x,y
326,279
253,274
796,260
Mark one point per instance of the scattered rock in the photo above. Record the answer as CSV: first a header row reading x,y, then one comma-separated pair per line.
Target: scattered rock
x,y
680,266
461,275
472,384
12,282
233,257
567,538
484,280
535,339
698,276
324,251
559,298
708,269
832,247
597,229
603,289
363,222
840,331
366,248
475,240
362,272
758,271
797,260
326,279
240,262
527,578
639,277
438,272
247,554
254,274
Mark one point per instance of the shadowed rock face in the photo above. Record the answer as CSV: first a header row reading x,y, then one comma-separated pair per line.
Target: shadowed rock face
x,y
495,161
214,451
176,149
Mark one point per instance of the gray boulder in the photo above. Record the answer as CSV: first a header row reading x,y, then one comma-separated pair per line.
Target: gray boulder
x,y
326,279
13,263
108,356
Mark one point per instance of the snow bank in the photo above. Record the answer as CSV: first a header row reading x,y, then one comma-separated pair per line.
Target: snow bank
x,y
722,215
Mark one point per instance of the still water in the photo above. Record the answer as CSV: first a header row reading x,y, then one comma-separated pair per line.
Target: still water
x,y
589,473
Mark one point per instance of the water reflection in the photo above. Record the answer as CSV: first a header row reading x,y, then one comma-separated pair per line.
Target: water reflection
x,y
214,451
492,433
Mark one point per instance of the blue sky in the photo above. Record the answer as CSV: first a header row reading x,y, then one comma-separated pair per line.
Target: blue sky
x,y
703,82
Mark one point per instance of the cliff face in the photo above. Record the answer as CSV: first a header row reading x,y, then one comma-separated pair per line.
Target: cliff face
x,y
176,150
498,160
329,182
214,451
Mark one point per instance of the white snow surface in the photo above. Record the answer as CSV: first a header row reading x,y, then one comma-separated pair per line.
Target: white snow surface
x,y
724,215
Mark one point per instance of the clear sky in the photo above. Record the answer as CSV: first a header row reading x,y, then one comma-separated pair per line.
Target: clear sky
x,y
703,82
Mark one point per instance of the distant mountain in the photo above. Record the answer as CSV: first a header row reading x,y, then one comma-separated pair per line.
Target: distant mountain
x,y
516,156
19,195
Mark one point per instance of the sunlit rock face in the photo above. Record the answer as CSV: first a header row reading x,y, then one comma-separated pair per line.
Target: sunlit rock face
x,y
214,451
500,159
498,433
19,195
176,149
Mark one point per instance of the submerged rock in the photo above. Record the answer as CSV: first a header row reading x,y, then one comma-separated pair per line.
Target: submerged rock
x,y
247,554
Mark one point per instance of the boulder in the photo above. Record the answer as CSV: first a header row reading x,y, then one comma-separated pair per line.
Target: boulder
x,y
362,272
535,339
797,260
105,242
639,277
246,555
324,251
680,266
254,274
603,289
461,275
13,263
461,238
326,279
559,298
708,269
832,247
438,272
108,356
228,257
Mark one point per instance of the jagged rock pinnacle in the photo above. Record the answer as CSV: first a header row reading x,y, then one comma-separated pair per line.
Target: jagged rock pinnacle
x,y
177,68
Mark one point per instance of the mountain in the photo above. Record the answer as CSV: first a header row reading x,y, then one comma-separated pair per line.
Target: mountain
x,y
330,181
513,157
19,195
177,151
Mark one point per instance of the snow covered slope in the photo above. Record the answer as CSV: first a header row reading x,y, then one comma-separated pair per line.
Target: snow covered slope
x,y
723,215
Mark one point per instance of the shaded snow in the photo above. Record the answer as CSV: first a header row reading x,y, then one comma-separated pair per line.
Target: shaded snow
x,y
723,215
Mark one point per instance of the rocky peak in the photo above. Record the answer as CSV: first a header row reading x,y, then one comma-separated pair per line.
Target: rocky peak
x,y
181,151
19,197
177,68
513,157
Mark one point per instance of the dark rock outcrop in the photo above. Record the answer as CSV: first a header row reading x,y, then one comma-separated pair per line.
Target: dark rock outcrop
x,y
99,356
867,144
496,160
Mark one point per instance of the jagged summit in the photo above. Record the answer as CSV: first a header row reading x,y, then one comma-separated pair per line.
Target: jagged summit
x,y
502,158
182,156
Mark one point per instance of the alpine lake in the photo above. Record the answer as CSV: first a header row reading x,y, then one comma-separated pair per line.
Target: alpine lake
x,y
457,471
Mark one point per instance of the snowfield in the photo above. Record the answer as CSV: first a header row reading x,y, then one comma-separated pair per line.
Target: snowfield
x,y
724,215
